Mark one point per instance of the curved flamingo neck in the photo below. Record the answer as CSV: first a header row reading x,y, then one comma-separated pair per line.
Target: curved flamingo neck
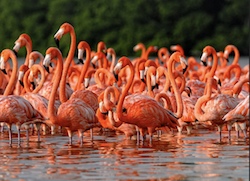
x,y
85,66
35,68
113,59
29,50
175,57
62,95
151,71
214,65
126,88
57,75
197,109
236,55
230,68
140,46
12,80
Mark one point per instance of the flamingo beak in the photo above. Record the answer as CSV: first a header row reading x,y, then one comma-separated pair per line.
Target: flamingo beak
x,y
143,80
46,68
33,85
116,76
21,83
4,71
15,52
57,42
80,61
184,70
204,63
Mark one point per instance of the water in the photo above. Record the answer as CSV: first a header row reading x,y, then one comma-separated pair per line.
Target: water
x,y
199,156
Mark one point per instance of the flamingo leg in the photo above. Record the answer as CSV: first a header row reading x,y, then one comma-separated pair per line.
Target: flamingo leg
x,y
229,127
220,133
10,134
52,128
44,129
38,125
80,132
189,129
179,128
237,129
2,127
91,134
18,134
70,136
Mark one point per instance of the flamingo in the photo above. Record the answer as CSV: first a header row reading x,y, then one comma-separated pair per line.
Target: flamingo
x,y
107,101
228,50
229,82
67,91
211,108
163,55
239,115
23,40
188,117
85,95
111,55
178,48
141,110
73,114
14,109
140,47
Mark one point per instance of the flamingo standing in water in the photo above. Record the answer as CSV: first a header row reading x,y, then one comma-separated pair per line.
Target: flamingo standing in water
x,y
211,108
14,109
39,102
144,111
107,101
73,114
239,115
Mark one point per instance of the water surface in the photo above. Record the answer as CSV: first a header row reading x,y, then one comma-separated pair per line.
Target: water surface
x,y
199,156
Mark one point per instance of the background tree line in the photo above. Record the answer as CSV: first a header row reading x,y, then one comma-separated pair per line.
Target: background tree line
x,y
121,24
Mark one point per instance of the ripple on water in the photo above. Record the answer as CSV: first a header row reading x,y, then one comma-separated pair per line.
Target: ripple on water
x,y
198,156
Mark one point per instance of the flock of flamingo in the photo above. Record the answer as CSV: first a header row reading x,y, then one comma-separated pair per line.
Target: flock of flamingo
x,y
138,97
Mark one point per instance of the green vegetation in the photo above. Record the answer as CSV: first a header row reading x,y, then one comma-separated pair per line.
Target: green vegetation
x,y
121,24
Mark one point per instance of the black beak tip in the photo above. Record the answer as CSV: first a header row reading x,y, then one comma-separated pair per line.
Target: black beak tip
x,y
57,42
80,61
4,71
143,80
86,86
204,63
46,68
184,70
219,82
93,65
15,52
33,85
157,86
116,76
21,83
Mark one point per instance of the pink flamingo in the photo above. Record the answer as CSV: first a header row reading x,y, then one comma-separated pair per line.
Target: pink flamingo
x,y
73,114
15,109
239,115
144,111
211,108
23,40
107,101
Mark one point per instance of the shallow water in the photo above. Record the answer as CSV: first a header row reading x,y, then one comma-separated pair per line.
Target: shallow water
x,y
199,156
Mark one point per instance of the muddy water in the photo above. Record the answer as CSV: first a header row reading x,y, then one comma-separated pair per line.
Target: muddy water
x,y
199,156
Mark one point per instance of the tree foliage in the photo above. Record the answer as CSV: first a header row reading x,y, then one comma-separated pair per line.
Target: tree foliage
x,y
122,24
